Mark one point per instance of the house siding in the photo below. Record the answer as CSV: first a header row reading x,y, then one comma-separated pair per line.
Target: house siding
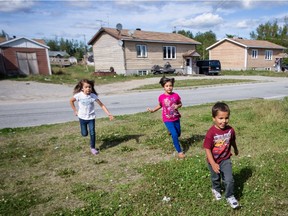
x,y
231,56
108,53
154,56
260,62
10,62
237,54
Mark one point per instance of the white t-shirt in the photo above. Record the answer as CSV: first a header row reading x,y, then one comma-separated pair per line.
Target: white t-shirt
x,y
86,108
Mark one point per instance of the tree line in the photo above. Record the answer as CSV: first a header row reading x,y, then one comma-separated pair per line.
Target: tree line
x,y
270,31
72,47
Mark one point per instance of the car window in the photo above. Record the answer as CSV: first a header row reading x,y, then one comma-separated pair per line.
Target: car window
x,y
214,63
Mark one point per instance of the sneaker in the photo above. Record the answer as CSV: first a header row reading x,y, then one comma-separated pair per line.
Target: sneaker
x,y
216,194
181,155
94,151
233,202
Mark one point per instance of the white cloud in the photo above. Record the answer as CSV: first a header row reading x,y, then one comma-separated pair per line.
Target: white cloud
x,y
74,17
82,3
15,5
247,3
243,24
206,20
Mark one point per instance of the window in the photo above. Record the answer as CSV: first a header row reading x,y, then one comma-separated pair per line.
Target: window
x,y
254,54
169,52
141,50
142,72
268,54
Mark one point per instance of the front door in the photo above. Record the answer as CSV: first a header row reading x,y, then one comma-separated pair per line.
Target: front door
x,y
189,65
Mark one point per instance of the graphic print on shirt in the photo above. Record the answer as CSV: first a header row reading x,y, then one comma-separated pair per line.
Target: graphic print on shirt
x,y
221,145
169,108
86,101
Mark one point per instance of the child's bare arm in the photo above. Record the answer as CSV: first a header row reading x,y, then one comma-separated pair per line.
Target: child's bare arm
x,y
72,100
155,109
211,160
178,105
104,108
236,152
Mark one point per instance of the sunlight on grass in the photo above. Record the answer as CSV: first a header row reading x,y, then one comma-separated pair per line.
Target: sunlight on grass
x,y
198,82
49,169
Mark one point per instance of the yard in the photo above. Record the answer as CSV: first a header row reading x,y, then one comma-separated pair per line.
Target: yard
x,y
48,170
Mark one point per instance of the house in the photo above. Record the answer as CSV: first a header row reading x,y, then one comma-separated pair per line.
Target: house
x,y
242,54
60,58
136,51
23,56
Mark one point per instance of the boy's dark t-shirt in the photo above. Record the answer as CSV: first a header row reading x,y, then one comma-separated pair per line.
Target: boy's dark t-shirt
x,y
220,141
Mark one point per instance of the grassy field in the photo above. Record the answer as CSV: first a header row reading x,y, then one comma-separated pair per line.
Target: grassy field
x,y
49,170
74,73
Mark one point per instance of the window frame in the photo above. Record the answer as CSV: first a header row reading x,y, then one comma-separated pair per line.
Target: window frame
x,y
143,53
169,52
254,53
268,55
142,72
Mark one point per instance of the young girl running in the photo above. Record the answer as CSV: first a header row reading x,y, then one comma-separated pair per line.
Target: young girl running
x,y
170,102
85,95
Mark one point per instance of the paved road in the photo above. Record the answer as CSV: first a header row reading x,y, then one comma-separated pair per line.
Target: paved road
x,y
34,112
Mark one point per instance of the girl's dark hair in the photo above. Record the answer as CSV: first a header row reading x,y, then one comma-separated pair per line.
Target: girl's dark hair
x,y
79,86
220,106
164,80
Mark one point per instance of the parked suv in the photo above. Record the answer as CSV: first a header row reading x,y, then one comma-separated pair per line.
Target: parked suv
x,y
209,67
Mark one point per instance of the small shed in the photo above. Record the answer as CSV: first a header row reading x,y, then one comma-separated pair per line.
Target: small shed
x,y
23,56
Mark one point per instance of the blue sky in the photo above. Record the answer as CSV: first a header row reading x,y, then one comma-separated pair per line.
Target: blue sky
x,y
81,19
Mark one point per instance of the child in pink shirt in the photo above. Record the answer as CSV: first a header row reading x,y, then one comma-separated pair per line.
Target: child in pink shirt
x,y
170,102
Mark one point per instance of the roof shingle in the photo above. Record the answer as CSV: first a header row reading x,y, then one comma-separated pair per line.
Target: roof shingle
x,y
145,36
250,43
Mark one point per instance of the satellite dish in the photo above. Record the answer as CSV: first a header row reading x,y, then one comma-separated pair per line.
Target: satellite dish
x,y
119,26
130,32
120,43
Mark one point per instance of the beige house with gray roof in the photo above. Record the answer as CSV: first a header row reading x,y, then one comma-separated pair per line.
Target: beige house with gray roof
x,y
135,52
242,54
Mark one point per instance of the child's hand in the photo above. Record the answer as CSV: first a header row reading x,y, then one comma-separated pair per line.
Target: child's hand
x,y
150,110
236,152
216,167
177,106
76,113
111,117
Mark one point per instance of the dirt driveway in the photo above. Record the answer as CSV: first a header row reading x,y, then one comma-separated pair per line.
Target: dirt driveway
x,y
25,91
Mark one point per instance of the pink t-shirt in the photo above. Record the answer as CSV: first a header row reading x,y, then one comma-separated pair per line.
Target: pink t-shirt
x,y
168,102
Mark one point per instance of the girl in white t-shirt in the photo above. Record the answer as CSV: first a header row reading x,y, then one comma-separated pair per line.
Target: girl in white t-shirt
x,y
85,95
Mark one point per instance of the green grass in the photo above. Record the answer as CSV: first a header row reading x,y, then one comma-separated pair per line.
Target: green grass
x,y
256,73
49,170
198,82
74,73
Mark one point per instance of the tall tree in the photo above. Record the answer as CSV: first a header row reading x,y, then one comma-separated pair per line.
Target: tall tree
x,y
72,47
207,39
230,36
188,33
272,32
